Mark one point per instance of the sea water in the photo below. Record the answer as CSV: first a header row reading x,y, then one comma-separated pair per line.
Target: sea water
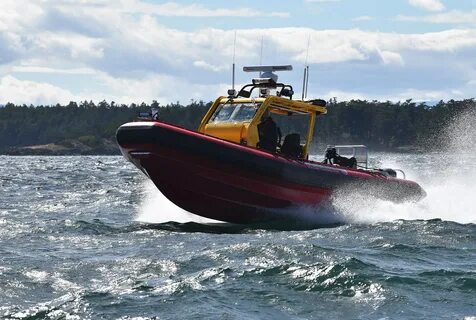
x,y
89,237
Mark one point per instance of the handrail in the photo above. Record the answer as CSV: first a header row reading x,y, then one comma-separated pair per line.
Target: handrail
x,y
403,173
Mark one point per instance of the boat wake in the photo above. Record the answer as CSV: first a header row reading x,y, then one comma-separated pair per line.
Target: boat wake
x,y
449,198
447,177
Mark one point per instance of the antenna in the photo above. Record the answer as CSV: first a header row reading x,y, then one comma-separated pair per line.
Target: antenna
x,y
261,54
305,80
232,91
233,68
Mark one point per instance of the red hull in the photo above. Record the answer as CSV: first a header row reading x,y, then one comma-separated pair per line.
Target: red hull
x,y
229,182
219,192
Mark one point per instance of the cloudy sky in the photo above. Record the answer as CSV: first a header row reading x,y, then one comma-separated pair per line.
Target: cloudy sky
x,y
142,50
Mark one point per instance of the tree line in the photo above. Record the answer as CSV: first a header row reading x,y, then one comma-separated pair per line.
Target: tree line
x,y
380,125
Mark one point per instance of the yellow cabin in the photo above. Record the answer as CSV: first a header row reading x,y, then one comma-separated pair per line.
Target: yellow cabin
x,y
260,122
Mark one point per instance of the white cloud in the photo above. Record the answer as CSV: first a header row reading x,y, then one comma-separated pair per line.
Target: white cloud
x,y
136,43
332,46
74,46
160,87
31,92
391,58
363,18
416,95
196,10
322,1
208,66
168,9
429,5
430,95
134,57
450,17
163,88
40,69
13,14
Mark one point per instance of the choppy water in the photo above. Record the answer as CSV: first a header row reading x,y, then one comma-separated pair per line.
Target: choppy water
x,y
87,237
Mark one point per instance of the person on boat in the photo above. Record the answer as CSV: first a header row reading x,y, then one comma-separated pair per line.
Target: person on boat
x,y
269,133
333,158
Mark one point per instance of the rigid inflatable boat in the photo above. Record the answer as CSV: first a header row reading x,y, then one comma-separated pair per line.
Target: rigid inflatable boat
x,y
239,167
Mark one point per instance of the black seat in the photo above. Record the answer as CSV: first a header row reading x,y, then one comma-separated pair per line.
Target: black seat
x,y
292,145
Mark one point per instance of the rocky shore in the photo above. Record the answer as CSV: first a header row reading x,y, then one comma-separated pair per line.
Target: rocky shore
x,y
67,147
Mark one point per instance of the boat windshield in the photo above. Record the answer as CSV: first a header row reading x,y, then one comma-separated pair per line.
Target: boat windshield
x,y
234,112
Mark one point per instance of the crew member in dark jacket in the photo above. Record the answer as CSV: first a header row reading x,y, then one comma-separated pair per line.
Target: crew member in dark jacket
x,y
269,134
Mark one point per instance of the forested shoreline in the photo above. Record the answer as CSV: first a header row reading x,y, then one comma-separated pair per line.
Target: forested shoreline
x,y
89,128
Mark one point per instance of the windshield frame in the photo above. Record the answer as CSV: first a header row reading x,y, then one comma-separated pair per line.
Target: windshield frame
x,y
239,113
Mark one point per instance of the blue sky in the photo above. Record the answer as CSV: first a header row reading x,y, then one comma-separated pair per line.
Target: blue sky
x,y
142,50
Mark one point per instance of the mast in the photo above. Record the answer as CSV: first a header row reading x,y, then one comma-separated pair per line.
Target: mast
x,y
232,91
305,80
233,66
304,83
261,53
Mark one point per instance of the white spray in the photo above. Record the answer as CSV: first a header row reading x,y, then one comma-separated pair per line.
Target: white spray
x,y
156,208
449,178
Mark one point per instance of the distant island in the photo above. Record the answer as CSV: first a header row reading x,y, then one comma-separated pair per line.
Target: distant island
x,y
87,128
